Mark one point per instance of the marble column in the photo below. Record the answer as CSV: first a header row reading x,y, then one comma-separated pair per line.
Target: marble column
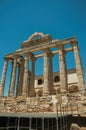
x,y
2,84
51,73
79,69
13,78
10,75
20,78
32,91
25,78
46,75
62,67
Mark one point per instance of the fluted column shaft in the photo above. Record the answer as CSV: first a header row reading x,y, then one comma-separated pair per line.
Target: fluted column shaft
x,y
62,66
46,75
20,78
32,91
50,73
2,84
79,68
10,76
25,78
13,79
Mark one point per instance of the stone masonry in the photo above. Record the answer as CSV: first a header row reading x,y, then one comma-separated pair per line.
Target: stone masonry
x,y
26,96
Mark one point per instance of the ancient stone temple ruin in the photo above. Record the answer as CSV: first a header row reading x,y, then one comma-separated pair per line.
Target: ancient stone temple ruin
x,y
50,98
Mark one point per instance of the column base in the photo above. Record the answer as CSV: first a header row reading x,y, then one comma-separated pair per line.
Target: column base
x,y
11,95
24,95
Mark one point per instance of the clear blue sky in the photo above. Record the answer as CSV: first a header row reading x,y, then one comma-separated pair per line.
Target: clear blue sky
x,y
60,18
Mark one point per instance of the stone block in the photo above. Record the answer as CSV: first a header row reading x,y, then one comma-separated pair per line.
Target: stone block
x,y
74,127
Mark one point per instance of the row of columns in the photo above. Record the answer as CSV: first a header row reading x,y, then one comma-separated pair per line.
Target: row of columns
x,y
27,79
13,78
24,76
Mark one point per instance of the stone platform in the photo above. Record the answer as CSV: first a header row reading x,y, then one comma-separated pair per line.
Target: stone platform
x,y
71,103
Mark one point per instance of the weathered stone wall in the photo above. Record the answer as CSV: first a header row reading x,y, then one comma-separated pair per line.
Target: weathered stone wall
x,y
70,103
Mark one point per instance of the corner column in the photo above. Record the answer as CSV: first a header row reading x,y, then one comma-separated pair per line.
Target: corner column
x,y
46,75
2,84
13,79
79,68
62,66
25,78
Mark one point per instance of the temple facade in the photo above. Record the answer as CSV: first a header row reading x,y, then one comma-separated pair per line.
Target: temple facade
x,y
50,91
26,78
